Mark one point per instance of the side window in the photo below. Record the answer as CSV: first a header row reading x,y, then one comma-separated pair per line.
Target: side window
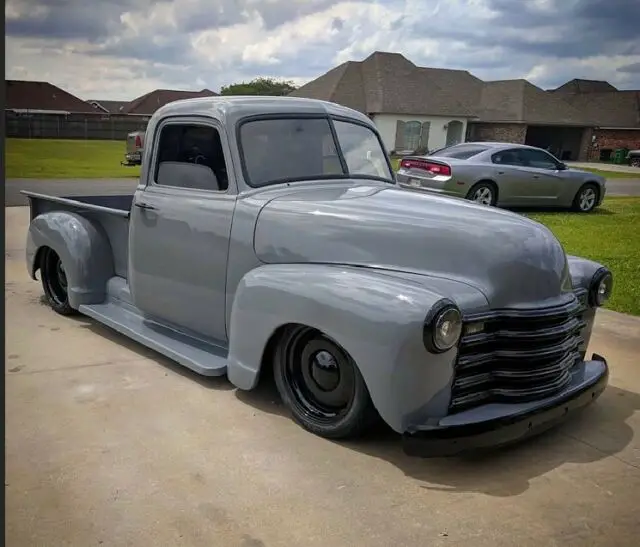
x,y
362,151
190,156
538,159
507,157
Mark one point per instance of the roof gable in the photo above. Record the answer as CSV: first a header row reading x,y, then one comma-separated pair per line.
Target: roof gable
x,y
585,86
27,95
389,83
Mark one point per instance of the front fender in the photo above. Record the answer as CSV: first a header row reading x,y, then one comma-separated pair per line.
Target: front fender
x,y
582,272
377,318
83,248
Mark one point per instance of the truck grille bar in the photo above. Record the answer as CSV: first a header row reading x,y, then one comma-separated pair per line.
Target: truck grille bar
x,y
520,355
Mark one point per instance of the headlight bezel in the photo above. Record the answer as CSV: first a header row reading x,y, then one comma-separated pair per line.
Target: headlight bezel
x,y
432,322
602,275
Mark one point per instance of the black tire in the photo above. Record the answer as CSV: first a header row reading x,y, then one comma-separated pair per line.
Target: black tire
x,y
484,193
635,162
586,198
339,409
54,282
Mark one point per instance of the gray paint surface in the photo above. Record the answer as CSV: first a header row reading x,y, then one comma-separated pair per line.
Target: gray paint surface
x,y
517,185
211,276
65,187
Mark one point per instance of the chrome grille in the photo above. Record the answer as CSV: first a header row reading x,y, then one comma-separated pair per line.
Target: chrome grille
x,y
520,355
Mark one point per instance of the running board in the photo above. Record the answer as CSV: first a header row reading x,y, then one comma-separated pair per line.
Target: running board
x,y
201,357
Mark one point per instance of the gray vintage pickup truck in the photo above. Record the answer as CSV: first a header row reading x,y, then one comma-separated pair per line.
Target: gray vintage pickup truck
x,y
268,236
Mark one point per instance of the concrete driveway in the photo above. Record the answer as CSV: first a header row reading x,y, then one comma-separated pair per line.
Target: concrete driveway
x,y
88,187
109,444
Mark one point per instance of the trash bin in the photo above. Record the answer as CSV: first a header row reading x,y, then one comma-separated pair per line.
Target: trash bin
x,y
619,155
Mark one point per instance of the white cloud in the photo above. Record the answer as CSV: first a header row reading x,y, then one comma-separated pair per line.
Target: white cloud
x,y
123,48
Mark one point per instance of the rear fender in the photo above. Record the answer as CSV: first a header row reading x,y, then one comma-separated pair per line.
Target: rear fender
x,y
83,248
377,318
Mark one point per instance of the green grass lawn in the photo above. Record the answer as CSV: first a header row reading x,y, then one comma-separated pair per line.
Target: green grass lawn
x,y
610,235
612,174
66,159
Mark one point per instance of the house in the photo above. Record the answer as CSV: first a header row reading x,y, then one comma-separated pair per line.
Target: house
x,y
147,104
417,108
520,112
25,97
614,114
108,107
412,107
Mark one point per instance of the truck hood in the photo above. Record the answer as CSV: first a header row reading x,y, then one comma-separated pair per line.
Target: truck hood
x,y
513,261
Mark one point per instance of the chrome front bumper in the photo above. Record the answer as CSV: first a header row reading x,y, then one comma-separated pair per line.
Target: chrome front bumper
x,y
493,425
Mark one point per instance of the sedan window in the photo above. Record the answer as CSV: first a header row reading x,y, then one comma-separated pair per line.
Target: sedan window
x,y
460,151
538,159
507,157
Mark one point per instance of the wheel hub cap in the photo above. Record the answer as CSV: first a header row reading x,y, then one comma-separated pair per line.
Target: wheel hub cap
x,y
587,199
325,371
483,196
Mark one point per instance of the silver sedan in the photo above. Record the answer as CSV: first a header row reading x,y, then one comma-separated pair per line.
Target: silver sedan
x,y
503,174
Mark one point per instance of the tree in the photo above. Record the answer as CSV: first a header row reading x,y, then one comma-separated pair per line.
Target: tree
x,y
259,86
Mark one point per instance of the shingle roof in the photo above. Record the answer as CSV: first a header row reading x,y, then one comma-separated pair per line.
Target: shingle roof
x,y
519,101
25,95
609,109
390,83
149,103
585,86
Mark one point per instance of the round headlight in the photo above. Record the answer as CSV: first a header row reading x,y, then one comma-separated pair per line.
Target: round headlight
x,y
601,287
443,331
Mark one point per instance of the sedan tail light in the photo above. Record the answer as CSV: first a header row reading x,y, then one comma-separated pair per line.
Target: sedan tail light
x,y
138,141
429,166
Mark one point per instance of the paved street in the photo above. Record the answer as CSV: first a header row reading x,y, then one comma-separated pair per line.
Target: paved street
x,y
13,198
109,444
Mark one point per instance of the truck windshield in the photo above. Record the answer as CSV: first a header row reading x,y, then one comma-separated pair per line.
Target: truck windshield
x,y
297,149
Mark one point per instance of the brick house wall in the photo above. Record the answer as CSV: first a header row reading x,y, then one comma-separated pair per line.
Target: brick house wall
x,y
612,139
500,132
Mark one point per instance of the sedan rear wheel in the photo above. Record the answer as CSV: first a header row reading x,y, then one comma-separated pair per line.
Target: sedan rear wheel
x,y
635,162
483,193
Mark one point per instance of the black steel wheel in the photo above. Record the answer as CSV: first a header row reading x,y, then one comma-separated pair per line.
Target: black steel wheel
x,y
321,385
54,282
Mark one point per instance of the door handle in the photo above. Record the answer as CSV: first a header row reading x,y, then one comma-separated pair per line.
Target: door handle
x,y
500,172
536,176
145,206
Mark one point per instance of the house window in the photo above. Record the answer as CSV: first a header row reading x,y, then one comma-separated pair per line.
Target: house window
x,y
411,136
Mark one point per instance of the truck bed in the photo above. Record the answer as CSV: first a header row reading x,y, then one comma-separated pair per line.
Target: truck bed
x,y
110,212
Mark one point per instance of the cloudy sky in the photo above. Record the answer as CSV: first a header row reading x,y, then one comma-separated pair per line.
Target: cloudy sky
x,y
119,49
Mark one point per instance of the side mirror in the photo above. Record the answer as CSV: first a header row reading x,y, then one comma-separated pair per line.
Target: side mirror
x,y
562,167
